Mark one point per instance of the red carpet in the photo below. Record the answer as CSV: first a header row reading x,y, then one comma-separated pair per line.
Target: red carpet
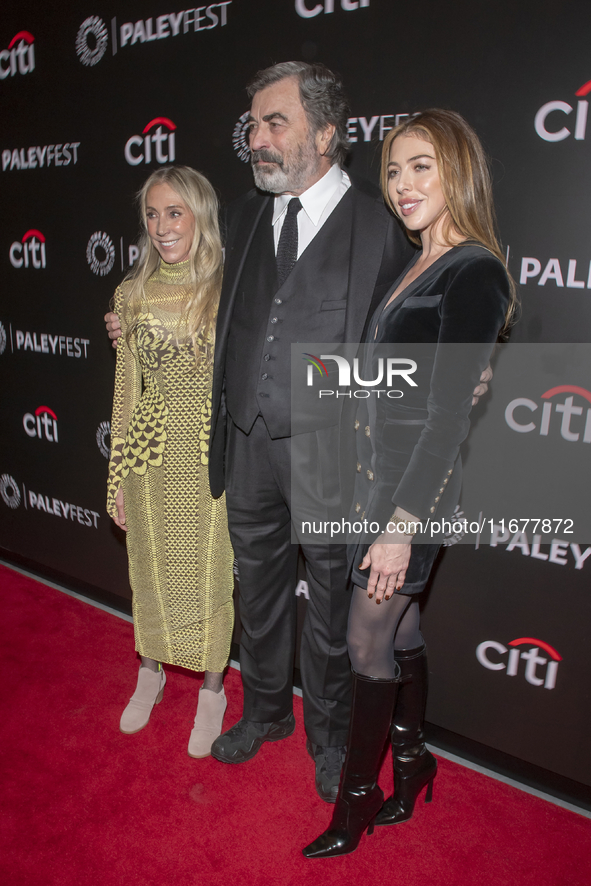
x,y
84,805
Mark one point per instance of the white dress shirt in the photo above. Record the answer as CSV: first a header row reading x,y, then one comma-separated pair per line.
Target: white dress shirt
x,y
317,204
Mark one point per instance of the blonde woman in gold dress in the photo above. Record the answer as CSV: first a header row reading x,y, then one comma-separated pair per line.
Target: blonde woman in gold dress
x,y
180,557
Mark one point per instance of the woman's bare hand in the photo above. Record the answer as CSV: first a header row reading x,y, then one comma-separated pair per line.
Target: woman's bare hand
x,y
113,327
388,557
119,520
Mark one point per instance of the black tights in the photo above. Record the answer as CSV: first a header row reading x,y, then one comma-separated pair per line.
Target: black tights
x,y
376,629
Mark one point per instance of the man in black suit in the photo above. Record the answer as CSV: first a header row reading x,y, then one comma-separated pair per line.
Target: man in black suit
x,y
305,265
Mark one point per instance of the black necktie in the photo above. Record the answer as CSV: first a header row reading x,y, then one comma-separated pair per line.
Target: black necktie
x,y
287,248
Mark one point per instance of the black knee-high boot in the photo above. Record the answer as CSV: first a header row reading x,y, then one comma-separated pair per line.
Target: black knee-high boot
x,y
359,797
414,766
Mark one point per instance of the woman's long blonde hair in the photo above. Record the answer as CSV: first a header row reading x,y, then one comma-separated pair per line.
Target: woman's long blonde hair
x,y
465,181
205,257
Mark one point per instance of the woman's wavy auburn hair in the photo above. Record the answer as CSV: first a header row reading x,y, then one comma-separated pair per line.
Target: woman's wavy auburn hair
x,y
205,257
465,178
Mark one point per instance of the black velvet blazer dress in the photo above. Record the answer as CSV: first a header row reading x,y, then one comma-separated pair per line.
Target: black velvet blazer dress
x,y
408,450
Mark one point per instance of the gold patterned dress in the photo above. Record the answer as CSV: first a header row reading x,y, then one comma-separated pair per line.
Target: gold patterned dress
x,y
180,556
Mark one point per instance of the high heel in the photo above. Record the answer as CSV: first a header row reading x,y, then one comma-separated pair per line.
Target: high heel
x,y
359,799
411,774
414,766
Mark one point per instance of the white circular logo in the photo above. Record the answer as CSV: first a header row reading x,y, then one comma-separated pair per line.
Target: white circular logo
x,y
240,138
102,432
92,40
11,494
103,243
2,339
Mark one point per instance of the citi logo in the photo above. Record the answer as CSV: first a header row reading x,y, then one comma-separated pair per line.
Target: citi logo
x,y
92,40
30,252
306,11
546,128
100,254
19,57
163,142
539,671
568,417
43,424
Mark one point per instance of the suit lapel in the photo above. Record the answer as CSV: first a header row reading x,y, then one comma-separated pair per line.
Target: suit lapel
x,y
241,232
370,223
242,227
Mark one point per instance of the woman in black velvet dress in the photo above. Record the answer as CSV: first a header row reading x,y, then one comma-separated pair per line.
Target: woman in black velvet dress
x,y
455,296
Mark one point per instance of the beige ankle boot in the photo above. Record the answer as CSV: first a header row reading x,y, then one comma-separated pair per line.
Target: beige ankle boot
x,y
150,686
208,721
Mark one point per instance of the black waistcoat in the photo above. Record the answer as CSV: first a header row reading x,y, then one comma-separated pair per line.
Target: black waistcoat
x,y
309,307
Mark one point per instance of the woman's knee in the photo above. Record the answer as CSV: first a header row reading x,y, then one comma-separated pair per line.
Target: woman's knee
x,y
359,653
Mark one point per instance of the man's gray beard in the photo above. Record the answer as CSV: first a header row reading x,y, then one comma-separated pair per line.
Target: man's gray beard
x,y
282,180
275,181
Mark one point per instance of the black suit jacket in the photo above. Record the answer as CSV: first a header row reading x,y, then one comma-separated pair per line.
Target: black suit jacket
x,y
378,253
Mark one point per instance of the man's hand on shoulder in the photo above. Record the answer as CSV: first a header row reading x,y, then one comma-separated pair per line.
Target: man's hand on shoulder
x,y
113,327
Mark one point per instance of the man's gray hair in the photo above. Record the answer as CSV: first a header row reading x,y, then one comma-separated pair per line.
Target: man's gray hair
x,y
322,97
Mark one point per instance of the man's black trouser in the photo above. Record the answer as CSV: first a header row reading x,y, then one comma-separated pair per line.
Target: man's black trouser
x,y
258,497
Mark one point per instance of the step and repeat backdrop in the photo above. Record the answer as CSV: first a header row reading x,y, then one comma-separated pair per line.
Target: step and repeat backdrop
x,y
97,94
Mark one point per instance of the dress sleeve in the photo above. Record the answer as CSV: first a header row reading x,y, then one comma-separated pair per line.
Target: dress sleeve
x,y
473,309
127,392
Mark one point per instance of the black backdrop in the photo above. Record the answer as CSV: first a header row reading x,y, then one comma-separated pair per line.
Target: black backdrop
x,y
84,85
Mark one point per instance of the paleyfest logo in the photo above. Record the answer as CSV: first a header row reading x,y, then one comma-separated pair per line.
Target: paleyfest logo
x,y
550,129
100,254
159,138
388,370
531,268
201,18
46,155
92,40
538,671
19,57
519,414
54,507
30,252
358,129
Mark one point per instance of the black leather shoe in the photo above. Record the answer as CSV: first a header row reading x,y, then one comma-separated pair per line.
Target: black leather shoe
x,y
243,740
329,762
